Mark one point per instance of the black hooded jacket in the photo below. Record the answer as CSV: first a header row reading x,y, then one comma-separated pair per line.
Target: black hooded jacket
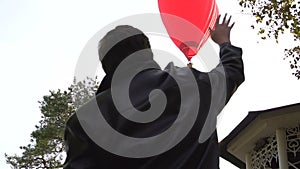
x,y
191,151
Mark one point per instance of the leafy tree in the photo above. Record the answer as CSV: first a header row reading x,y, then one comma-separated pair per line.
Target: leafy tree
x,y
275,17
46,147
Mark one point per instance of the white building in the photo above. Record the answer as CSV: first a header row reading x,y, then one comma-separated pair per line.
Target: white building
x,y
268,139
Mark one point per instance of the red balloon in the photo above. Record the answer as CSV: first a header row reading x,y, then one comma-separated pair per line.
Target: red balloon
x,y
188,21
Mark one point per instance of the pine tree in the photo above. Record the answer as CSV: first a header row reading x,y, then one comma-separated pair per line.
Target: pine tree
x,y
46,147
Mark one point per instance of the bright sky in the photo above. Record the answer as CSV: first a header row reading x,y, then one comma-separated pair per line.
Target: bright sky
x,y
40,42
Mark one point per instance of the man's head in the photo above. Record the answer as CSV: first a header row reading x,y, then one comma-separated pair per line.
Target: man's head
x,y
119,43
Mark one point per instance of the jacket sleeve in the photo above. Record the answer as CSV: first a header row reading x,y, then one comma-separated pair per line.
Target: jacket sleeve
x,y
226,77
217,86
230,69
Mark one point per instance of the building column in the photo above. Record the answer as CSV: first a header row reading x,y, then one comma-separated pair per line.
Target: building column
x,y
282,148
248,161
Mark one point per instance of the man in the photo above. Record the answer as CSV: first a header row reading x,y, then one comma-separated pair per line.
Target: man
x,y
127,60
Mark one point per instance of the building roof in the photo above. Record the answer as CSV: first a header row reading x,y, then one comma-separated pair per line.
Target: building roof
x,y
255,125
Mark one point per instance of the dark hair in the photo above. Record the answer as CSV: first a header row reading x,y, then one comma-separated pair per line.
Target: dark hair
x,y
119,43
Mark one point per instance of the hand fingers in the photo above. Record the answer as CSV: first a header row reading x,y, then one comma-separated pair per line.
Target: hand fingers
x,y
232,25
224,19
218,19
228,20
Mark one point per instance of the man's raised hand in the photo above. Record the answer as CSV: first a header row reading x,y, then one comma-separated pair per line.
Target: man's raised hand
x,y
221,33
